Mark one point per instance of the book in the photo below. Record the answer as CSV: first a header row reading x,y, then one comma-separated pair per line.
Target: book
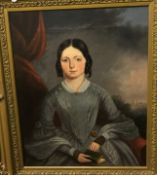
x,y
96,157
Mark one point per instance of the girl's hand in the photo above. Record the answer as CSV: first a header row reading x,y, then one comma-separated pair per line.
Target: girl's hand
x,y
94,146
83,158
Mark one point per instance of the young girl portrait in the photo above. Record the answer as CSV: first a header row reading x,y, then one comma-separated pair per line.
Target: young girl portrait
x,y
79,123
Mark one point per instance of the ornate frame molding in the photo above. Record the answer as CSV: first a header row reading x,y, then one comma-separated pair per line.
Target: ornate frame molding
x,y
9,122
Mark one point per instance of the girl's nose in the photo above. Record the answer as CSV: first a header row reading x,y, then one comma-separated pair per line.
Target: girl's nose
x,y
71,64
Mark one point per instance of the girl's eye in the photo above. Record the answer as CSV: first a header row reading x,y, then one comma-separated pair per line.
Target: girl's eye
x,y
79,59
64,60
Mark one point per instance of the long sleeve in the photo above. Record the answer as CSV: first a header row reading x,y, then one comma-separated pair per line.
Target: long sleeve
x,y
68,150
119,126
47,138
44,127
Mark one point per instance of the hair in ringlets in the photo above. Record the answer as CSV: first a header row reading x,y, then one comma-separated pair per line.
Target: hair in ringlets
x,y
80,45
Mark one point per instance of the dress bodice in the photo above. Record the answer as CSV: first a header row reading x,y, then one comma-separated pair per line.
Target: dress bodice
x,y
77,111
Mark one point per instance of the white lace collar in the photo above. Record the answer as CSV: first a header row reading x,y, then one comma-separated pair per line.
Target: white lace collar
x,y
82,88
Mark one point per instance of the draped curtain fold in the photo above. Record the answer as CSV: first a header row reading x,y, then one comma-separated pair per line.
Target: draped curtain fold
x,y
28,34
28,43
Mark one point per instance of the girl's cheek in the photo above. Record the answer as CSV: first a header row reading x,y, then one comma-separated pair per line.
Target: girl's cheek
x,y
81,66
64,67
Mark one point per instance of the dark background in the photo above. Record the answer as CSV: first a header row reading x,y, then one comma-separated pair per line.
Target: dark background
x,y
117,40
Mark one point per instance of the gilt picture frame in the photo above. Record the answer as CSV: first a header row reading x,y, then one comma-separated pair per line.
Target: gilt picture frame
x,y
121,38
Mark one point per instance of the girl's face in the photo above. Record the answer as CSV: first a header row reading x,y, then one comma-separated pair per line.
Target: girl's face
x,y
72,63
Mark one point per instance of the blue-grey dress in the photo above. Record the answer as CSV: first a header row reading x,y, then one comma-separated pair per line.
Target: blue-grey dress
x,y
91,109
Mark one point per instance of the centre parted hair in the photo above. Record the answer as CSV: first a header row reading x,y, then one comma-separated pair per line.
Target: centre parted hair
x,y
80,45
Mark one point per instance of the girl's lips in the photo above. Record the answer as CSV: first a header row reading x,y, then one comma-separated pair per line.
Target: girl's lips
x,y
72,71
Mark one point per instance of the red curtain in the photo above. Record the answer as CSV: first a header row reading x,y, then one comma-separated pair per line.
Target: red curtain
x,y
28,43
28,34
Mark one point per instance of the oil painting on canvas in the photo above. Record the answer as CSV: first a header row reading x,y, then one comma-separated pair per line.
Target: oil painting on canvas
x,y
81,85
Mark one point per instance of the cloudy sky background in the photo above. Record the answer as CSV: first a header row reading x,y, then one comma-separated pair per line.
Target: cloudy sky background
x,y
117,40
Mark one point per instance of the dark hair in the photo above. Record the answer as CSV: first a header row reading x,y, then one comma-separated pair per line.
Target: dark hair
x,y
80,45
